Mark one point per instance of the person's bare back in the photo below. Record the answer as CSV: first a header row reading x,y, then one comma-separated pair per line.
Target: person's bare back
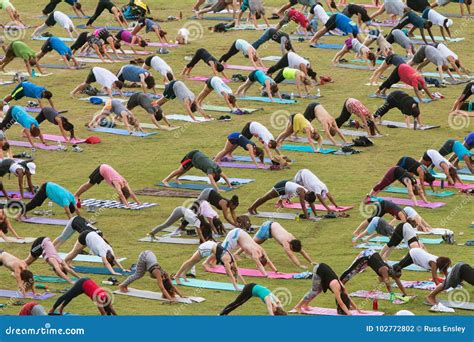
x,y
280,234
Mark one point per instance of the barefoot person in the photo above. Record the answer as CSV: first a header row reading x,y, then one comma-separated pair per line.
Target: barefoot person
x,y
329,124
269,86
150,26
135,74
227,206
355,107
377,226
202,54
144,101
104,77
405,103
6,227
19,268
404,231
433,158
218,85
259,131
19,49
30,127
460,101
108,5
64,125
246,49
11,11
417,169
56,44
234,140
120,112
23,170
180,213
30,90
160,65
459,153
298,123
57,17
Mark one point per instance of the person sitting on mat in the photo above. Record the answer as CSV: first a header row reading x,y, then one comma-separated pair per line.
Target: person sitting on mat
x,y
114,179
32,309
269,86
202,54
426,54
56,17
427,261
405,104
235,140
273,304
43,247
396,173
297,17
377,226
6,226
279,37
19,49
399,37
177,89
432,158
22,169
361,51
256,129
64,125
130,39
298,76
56,44
147,263
310,181
324,278
199,160
459,273
291,245
108,5
438,19
87,286
27,122
418,22
294,61
24,277
372,259
460,101
150,26
135,74
98,246
218,85
298,123
355,107
285,190
257,11
87,42
220,254
316,111
227,206
56,194
381,207
159,64
121,113
12,12
76,224
337,21
360,12
104,77
391,59
417,169
246,49
459,153
145,101
75,5
404,231
29,90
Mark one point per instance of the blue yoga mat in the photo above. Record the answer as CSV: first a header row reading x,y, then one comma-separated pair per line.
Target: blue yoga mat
x,y
305,148
120,132
464,171
468,178
64,39
353,66
97,270
60,66
326,46
266,99
411,267
426,241
207,284
191,186
396,190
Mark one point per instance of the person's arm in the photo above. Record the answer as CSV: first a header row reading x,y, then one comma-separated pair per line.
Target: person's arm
x,y
118,189
133,195
142,82
229,218
10,228
323,202
292,257
311,141
328,134
109,267
187,105
20,183
61,128
411,194
400,286
28,67
268,90
298,85
227,180
213,182
428,92
434,272
252,155
230,274
29,137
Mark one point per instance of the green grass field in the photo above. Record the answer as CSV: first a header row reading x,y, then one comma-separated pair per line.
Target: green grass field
x,y
145,161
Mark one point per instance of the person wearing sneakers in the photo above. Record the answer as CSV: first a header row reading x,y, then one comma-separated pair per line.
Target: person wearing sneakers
x,y
159,64
114,179
259,131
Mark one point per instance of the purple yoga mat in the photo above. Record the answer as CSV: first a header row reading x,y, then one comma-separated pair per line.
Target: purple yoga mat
x,y
157,44
421,204
241,165
38,145
318,207
16,194
204,79
456,186
45,220
333,312
248,272
38,109
242,67
56,138
17,294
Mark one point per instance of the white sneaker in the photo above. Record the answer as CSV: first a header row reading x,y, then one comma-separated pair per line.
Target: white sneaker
x,y
441,308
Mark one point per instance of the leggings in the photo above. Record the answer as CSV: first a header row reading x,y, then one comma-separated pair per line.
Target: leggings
x,y
279,77
404,21
101,7
241,299
177,214
359,264
73,292
80,41
391,80
200,54
344,116
49,8
282,63
7,121
405,262
232,52
146,258
38,199
387,179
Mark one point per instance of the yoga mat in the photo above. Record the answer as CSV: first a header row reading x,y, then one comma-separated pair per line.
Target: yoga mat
x,y
88,258
158,296
167,193
455,186
464,171
94,60
242,67
110,204
311,97
98,270
6,83
15,240
206,179
306,148
248,272
468,178
153,126
412,267
38,109
51,279
187,118
13,73
284,216
355,133
244,159
109,28
104,98
242,166
420,285
203,79
436,231
457,305
326,46
60,138
45,220
266,99
193,186
452,40
117,131
408,202
130,52
62,66
333,312
304,140
38,145
426,241
166,239
212,18
379,295
435,74
207,284
17,294
457,15
396,190
16,194
249,27
396,85
318,207
271,58
403,125
223,109
352,66
64,39
383,97
377,247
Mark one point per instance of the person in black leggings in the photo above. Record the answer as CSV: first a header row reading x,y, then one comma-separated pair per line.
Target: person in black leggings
x,y
284,63
205,56
112,8
466,93
403,102
416,168
459,273
76,7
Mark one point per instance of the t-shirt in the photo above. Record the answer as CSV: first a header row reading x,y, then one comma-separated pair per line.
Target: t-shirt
x,y
182,92
49,251
132,73
436,158
355,45
104,77
409,164
59,46
260,77
160,65
354,106
294,60
394,59
219,86
422,258
125,35
469,140
415,19
143,100
59,195
401,38
434,56
291,188
326,274
446,52
402,101
345,24
353,9
436,18
97,244
300,123
236,138
204,163
410,76
110,175
115,106
50,114
243,46
408,232
63,20
23,118
206,210
22,50
298,17
28,89
320,13
311,182
260,131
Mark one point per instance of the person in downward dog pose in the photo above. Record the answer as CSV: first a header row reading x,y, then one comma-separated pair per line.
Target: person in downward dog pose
x,y
218,85
404,231
227,207
417,169
57,17
246,49
377,226
150,26
256,129
405,104
202,54
459,153
362,52
235,140
112,8
19,269
269,86
298,123
433,158
316,111
353,106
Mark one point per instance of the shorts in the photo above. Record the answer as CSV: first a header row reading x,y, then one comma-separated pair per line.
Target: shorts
x,y
36,249
148,60
50,21
208,83
95,177
375,262
280,188
245,6
246,131
82,237
348,43
187,161
264,232
47,46
454,276
316,285
331,23
231,241
90,78
220,5
205,249
104,34
460,150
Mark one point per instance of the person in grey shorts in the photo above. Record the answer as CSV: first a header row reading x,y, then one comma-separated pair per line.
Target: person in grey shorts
x,y
461,272
399,37
377,226
117,108
76,224
394,8
426,54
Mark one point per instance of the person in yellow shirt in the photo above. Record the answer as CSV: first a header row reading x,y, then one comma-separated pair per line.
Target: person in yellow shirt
x,y
298,123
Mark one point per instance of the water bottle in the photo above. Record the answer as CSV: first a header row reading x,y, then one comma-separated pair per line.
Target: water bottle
x,y
375,304
318,94
33,72
292,95
50,207
392,296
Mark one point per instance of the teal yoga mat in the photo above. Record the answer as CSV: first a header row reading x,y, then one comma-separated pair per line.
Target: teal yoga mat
x,y
117,131
266,99
352,66
467,178
305,148
426,241
326,46
51,279
396,190
207,284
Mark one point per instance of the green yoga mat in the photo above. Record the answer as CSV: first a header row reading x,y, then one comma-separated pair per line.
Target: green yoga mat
x,y
207,284
426,241
395,190
51,279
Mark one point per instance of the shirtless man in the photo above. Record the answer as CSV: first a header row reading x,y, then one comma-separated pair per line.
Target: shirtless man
x,y
19,268
327,121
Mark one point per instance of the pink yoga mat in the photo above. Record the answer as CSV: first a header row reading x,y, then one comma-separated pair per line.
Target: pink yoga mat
x,y
456,186
318,207
204,79
17,294
241,166
157,44
242,67
38,145
56,138
248,272
333,312
16,194
421,204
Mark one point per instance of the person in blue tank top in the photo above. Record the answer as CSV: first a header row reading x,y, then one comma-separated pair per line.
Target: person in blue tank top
x,y
30,90
30,125
56,44
268,84
337,21
235,140
136,74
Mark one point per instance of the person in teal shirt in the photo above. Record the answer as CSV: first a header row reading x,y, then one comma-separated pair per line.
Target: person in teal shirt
x,y
30,125
267,83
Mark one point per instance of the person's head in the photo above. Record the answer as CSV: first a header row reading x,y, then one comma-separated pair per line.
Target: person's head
x,y
234,202
443,263
218,224
28,280
47,94
194,107
272,144
306,80
295,245
274,88
78,6
332,131
68,127
162,33
216,176
35,131
453,173
32,61
255,57
206,228
125,192
110,258
118,84
150,81
143,43
311,73
169,76
263,260
347,302
429,178
415,110
395,271
219,67
168,284
428,24
117,44
278,311
315,135
372,58
244,222
158,113
232,99
30,168
310,197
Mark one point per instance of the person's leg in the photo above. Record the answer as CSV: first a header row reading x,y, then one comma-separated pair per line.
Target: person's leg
x,y
176,173
405,262
73,292
263,38
358,265
38,30
98,11
187,265
279,77
83,188
386,180
65,235
316,289
49,8
7,121
139,271
391,80
175,216
78,247
344,116
268,196
232,51
243,297
282,63
196,58
38,199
